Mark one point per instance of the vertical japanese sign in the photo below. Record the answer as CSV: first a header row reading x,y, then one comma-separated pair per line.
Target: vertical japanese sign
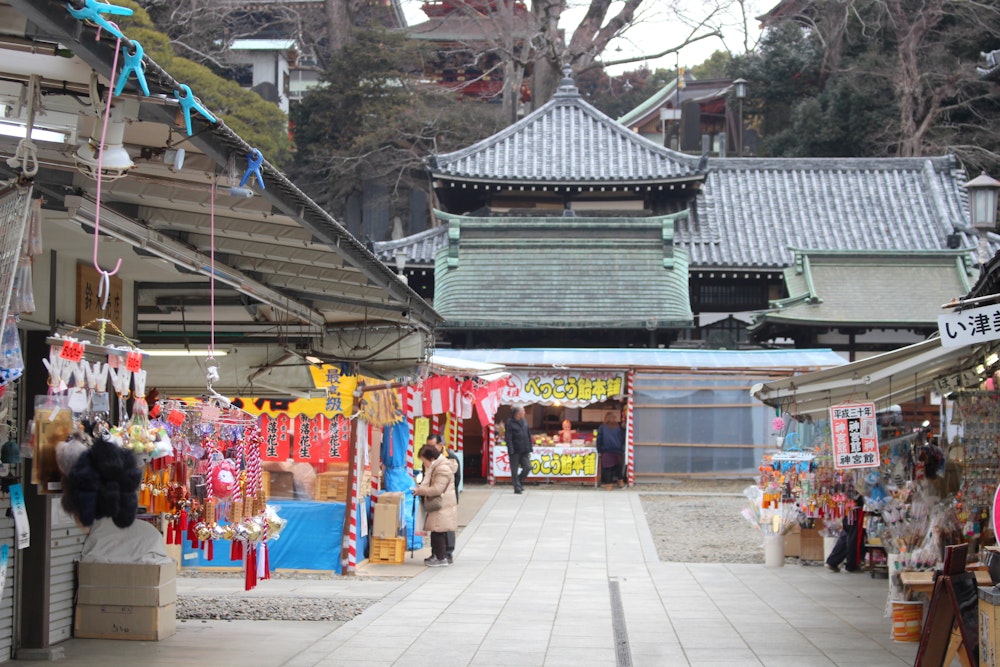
x,y
855,436
88,304
22,529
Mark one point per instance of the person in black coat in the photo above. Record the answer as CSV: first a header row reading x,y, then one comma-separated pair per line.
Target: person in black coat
x,y
518,437
849,547
611,447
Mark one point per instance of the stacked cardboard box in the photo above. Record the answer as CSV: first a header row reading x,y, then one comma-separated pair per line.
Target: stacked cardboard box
x,y
388,514
126,601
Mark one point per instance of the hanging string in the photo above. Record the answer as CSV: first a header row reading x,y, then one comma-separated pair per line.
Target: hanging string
x,y
104,287
212,366
211,271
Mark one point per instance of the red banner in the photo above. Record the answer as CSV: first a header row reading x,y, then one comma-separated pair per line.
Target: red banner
x,y
319,439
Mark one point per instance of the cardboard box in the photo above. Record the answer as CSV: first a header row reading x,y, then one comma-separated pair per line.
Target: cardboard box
x,y
127,584
812,542
391,497
387,519
125,622
793,542
281,484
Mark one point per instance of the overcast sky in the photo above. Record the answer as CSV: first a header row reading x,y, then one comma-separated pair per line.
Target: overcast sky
x,y
657,29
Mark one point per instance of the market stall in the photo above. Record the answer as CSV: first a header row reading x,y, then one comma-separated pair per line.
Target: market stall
x,y
922,466
581,397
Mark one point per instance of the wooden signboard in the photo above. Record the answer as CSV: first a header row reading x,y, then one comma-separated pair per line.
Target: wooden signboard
x,y
88,305
952,625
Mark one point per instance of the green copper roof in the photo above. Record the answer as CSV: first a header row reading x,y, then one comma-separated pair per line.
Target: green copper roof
x,y
870,288
562,273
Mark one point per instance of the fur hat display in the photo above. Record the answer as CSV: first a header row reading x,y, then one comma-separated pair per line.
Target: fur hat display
x,y
103,483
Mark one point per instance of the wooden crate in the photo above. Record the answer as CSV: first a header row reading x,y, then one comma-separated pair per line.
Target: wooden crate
x,y
331,486
388,550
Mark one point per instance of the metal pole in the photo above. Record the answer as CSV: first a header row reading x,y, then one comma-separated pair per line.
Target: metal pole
x,y
739,151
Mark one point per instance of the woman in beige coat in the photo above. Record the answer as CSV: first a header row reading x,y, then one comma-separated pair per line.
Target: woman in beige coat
x,y
439,481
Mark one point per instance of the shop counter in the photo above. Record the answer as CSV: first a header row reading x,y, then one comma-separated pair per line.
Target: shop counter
x,y
309,541
923,582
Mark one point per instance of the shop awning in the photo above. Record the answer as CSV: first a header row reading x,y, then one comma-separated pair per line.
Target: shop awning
x,y
887,378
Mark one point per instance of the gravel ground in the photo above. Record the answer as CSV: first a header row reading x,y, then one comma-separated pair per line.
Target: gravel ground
x,y
231,608
698,521
692,521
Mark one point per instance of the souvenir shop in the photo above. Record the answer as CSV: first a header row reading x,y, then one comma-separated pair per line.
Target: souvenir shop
x,y
152,260
910,457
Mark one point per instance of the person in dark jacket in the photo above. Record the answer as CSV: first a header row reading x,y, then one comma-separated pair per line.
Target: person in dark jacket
x,y
518,437
849,548
456,466
611,447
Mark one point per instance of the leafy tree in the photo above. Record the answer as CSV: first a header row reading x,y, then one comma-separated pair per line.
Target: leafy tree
x,y
715,66
897,77
203,30
782,71
261,123
373,119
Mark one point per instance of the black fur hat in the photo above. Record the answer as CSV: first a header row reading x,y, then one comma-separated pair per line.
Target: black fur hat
x,y
104,482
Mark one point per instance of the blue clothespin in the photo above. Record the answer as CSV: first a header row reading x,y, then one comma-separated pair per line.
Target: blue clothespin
x,y
133,65
92,11
188,102
254,161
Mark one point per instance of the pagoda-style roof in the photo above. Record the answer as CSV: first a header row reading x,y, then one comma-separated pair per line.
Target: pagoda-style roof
x,y
479,29
752,212
669,97
869,289
566,141
561,273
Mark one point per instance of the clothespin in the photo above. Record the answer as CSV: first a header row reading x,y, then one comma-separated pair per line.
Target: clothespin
x,y
92,11
254,161
134,64
188,101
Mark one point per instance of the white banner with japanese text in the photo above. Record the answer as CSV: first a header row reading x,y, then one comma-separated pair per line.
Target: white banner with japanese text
x,y
854,432
570,388
976,325
551,462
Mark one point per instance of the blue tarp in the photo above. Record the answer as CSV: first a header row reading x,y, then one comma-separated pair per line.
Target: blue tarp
x,y
395,440
309,541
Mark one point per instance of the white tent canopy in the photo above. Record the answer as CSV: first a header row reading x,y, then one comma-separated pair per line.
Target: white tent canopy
x,y
887,378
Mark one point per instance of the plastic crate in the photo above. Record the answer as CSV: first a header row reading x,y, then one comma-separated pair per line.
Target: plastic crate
x,y
388,550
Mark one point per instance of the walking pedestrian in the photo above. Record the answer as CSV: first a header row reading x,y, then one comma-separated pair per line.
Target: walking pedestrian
x,y
518,437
